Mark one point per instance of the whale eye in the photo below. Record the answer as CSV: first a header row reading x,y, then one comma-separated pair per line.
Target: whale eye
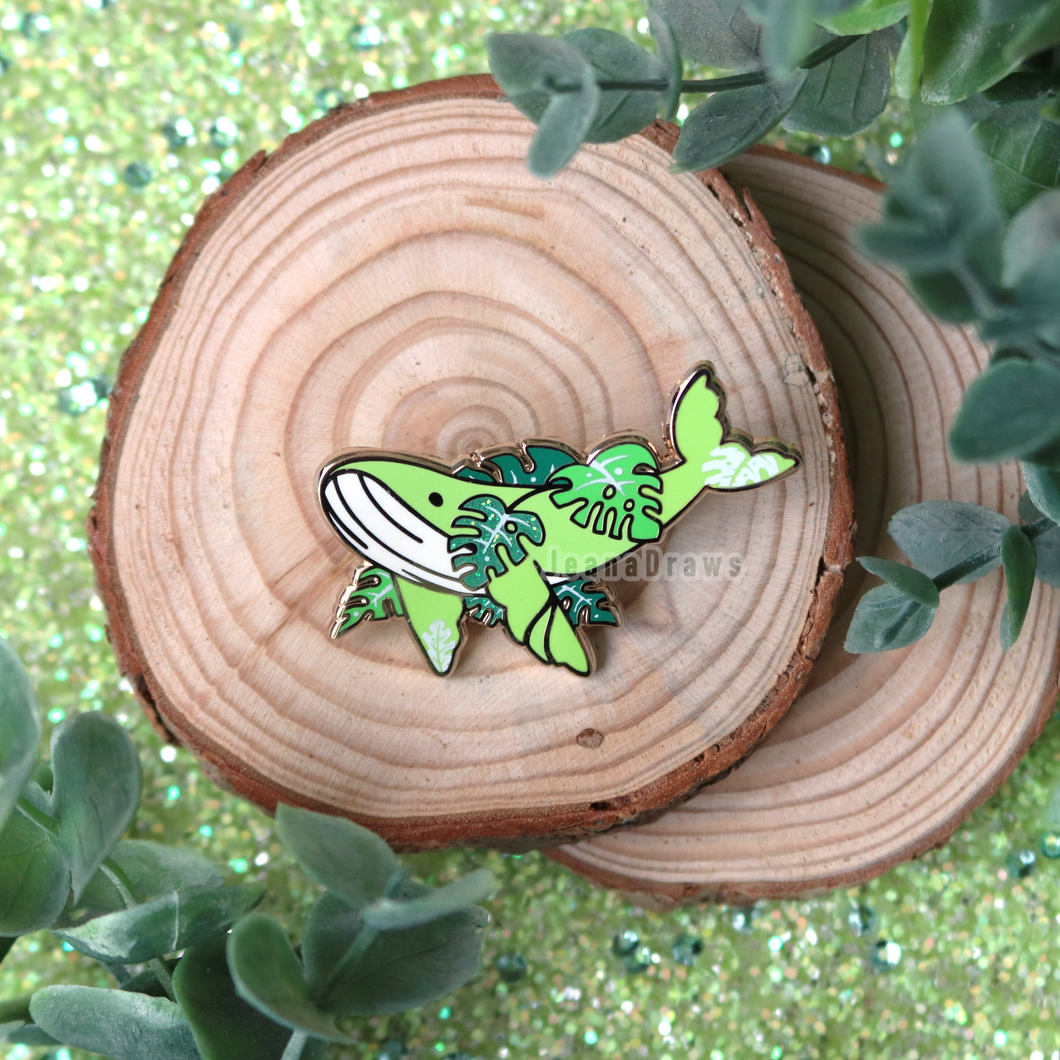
x,y
435,499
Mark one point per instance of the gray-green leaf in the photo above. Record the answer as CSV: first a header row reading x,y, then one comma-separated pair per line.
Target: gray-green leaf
x,y
716,33
1024,151
388,914
269,976
96,790
19,728
113,1023
224,1025
886,618
340,855
730,122
787,33
1043,485
1009,412
1047,544
621,112
164,925
1032,233
34,877
849,92
905,579
940,535
1020,558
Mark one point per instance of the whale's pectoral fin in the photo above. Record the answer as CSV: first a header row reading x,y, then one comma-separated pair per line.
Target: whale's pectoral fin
x,y
536,619
434,618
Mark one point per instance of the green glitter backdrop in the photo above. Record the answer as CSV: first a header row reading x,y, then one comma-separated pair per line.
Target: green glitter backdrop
x,y
117,119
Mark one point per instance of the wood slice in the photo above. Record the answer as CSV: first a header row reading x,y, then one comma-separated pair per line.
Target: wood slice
x,y
882,756
394,277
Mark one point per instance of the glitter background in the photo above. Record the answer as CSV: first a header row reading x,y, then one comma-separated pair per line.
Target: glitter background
x,y
117,119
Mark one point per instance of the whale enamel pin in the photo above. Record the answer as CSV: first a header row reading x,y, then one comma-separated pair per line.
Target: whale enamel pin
x,y
516,537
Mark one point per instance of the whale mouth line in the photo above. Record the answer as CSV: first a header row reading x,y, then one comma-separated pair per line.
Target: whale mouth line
x,y
374,521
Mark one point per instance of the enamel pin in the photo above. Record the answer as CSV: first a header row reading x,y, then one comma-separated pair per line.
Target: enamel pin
x,y
516,537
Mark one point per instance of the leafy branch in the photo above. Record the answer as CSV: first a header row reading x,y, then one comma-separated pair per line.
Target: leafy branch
x,y
375,941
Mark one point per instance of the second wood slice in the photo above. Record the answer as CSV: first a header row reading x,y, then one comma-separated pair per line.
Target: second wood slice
x,y
394,277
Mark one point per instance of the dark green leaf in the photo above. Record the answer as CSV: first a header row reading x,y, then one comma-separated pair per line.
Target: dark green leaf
x,y
1048,546
1020,86
962,55
995,12
905,579
942,208
716,33
145,982
113,1023
945,295
552,84
152,869
616,58
886,618
6,942
940,535
865,17
224,1025
19,728
268,975
849,92
1038,31
1024,150
340,855
1043,486
730,122
164,925
97,787
1009,412
1033,232
389,914
1020,558
400,969
16,1010
670,56
34,877
585,601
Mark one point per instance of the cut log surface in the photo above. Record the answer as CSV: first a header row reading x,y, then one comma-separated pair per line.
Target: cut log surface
x,y
882,755
394,277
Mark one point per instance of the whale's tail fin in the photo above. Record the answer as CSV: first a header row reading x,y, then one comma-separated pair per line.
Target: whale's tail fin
x,y
721,458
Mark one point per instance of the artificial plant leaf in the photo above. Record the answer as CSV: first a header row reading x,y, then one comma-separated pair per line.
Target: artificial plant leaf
x,y
268,975
621,112
941,212
19,728
1020,558
616,493
864,18
938,536
1010,411
1039,29
400,969
1047,544
392,914
16,1010
962,55
1043,486
114,1023
669,51
1024,151
562,129
338,854
787,33
6,942
224,1025
716,33
886,618
30,1034
1033,232
849,92
34,877
96,790
163,925
730,122
152,868
994,12
906,580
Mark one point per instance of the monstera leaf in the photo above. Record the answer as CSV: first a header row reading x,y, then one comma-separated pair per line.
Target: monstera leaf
x,y
372,595
483,609
585,602
733,466
492,527
512,469
617,492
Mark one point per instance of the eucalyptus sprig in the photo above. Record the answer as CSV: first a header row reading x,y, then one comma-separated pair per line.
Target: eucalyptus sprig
x,y
198,975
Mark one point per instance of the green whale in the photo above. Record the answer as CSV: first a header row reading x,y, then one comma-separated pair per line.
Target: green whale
x,y
516,536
